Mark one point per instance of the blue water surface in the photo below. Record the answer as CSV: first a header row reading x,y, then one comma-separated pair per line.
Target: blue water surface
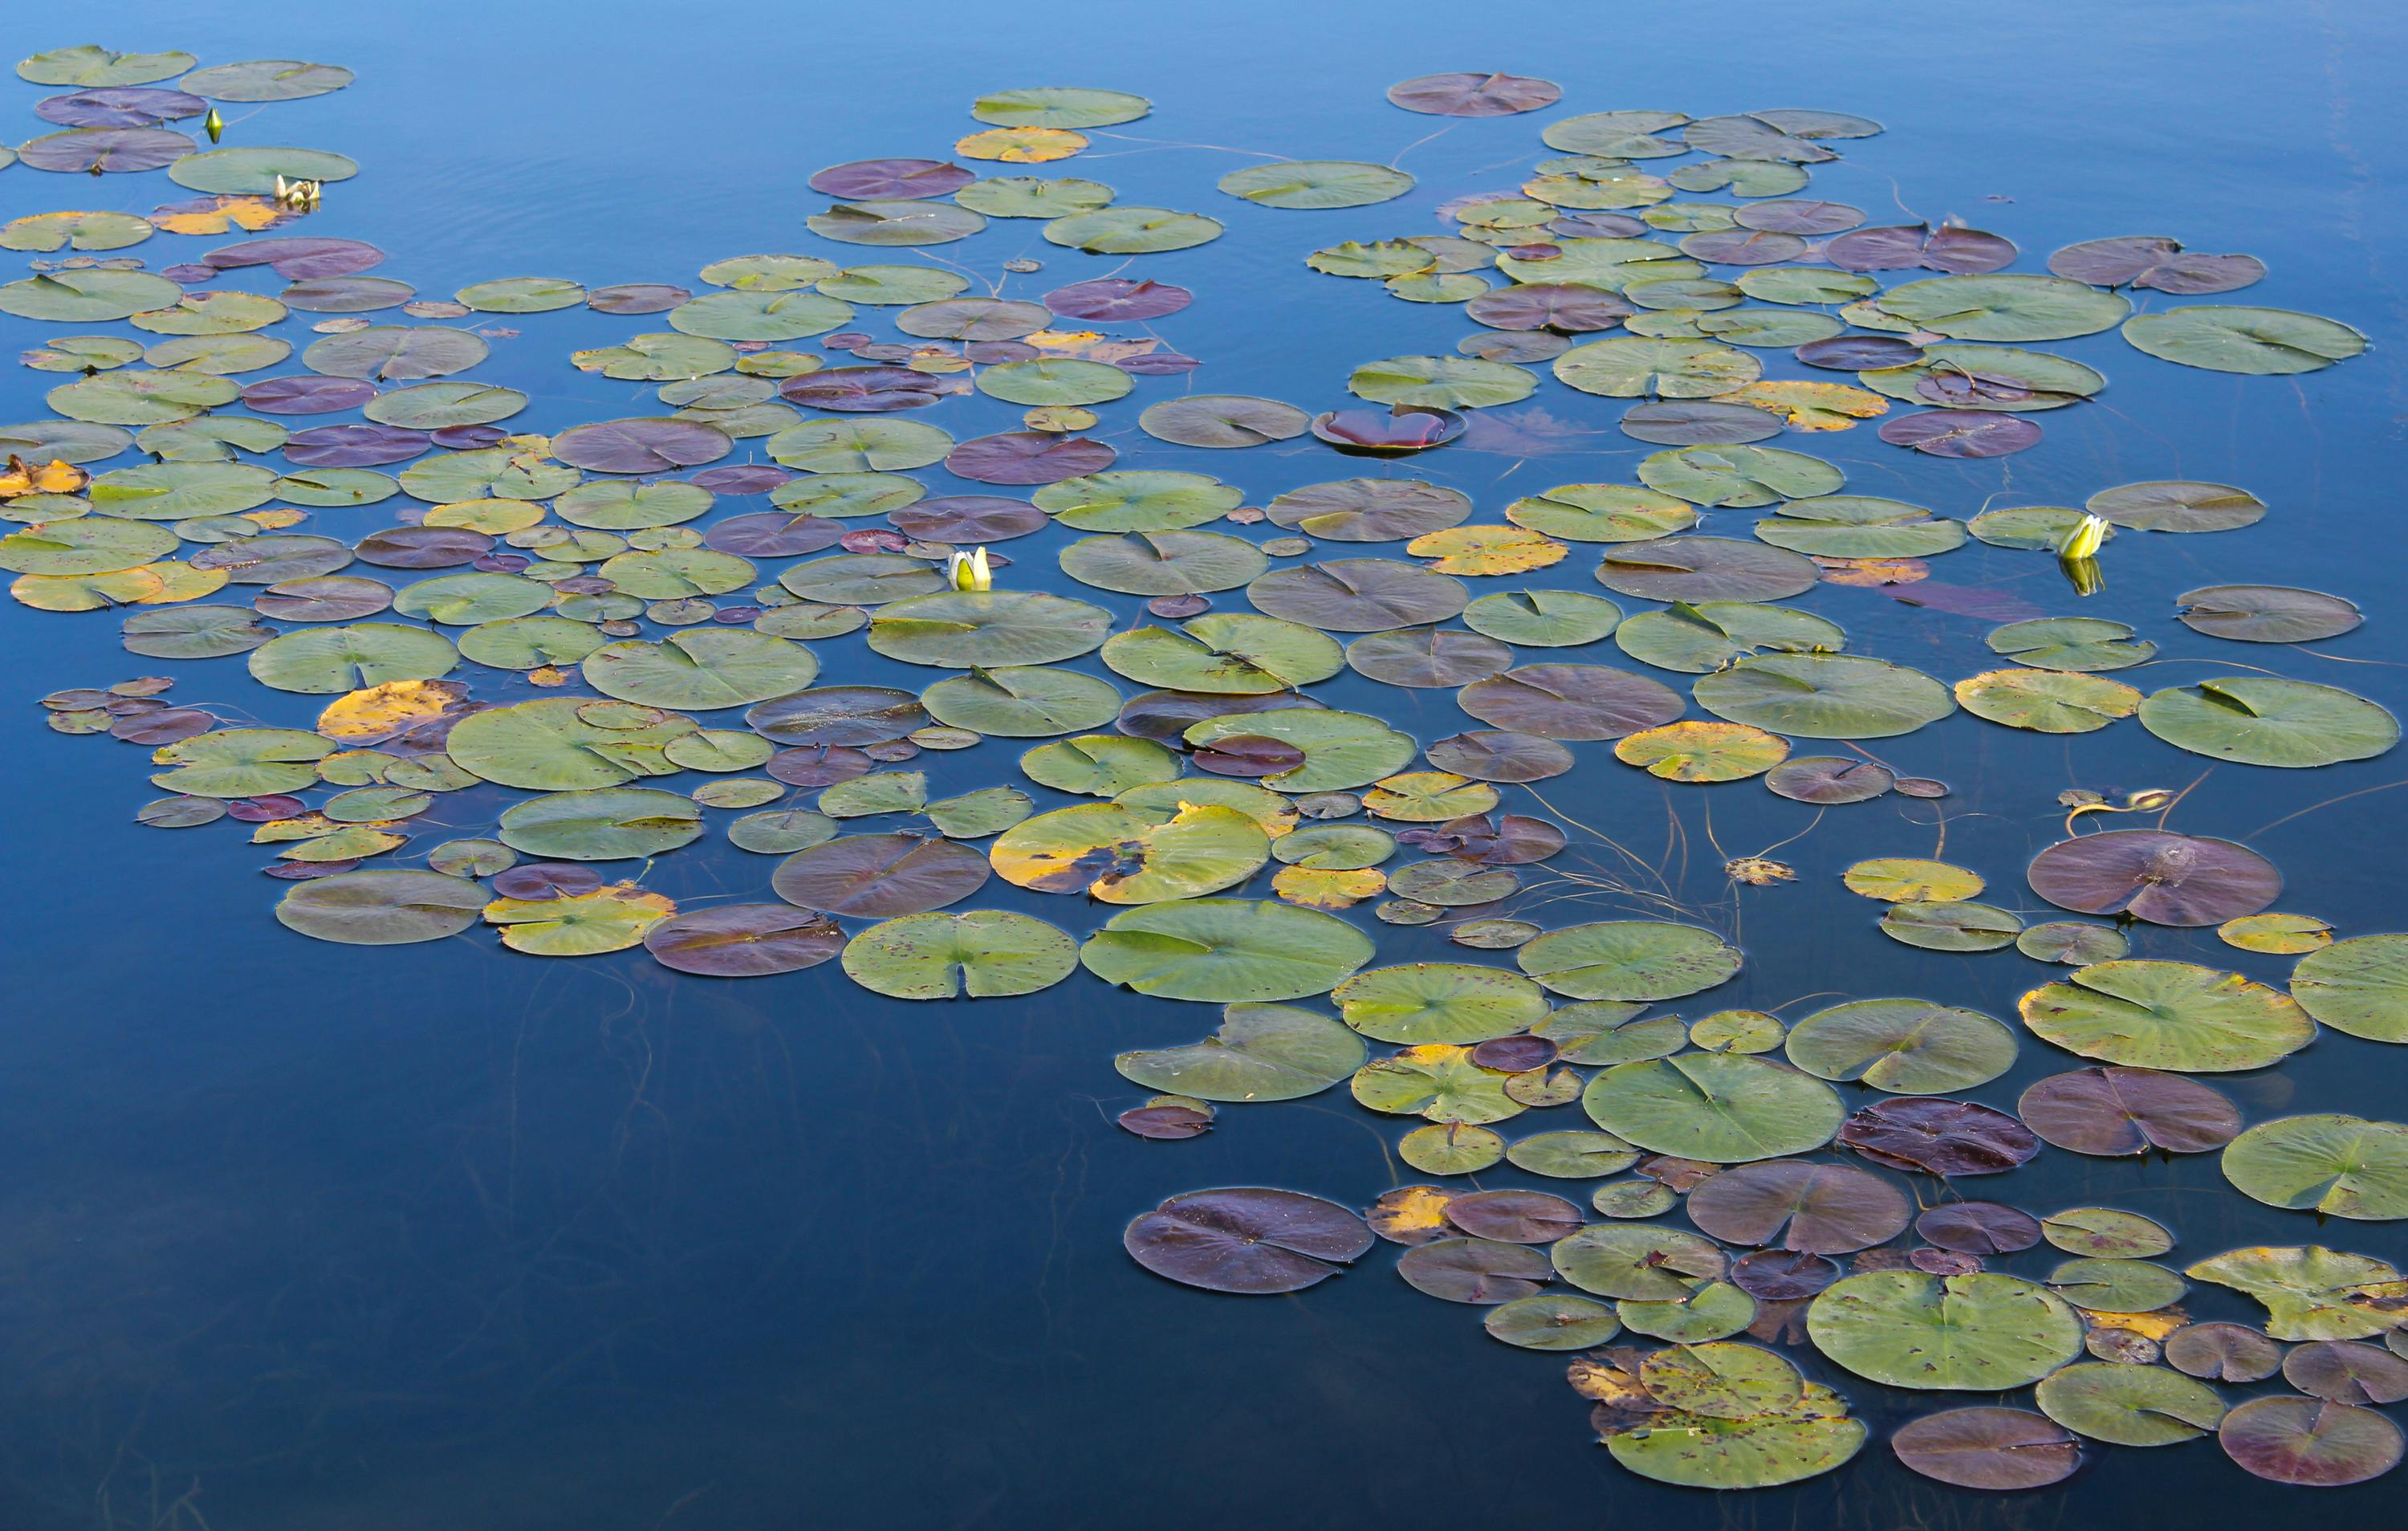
x,y
297,1236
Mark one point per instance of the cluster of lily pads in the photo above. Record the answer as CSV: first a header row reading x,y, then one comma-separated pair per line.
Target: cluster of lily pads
x,y
554,619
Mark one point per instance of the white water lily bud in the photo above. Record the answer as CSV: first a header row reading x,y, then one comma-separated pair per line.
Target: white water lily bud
x,y
2085,538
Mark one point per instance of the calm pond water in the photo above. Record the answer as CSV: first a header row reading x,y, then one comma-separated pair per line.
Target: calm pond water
x,y
298,1235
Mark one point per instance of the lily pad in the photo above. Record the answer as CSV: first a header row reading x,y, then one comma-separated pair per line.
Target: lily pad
x,y
983,954
1984,1331
2171,1016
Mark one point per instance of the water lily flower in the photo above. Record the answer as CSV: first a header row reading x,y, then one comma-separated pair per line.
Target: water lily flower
x,y
970,570
213,125
2084,538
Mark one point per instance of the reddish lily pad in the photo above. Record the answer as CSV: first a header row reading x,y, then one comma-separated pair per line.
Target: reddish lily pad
x,y
1248,1240
1812,1208
1938,1137
2309,1443
744,940
2156,876
1989,1449
1962,433
2117,1111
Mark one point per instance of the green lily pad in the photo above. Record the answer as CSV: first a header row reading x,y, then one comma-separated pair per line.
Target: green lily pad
x,y
2171,1016
1697,637
1436,1080
253,171
1542,618
2047,700
1439,1001
1059,106
1738,477
1824,696
87,296
382,908
1905,1047
2311,1292
2229,338
1261,1052
701,671
958,629
90,65
2333,1165
1719,1108
1119,855
1226,654
1602,513
1226,950
2004,307
1628,960
1316,183
1984,1333
1132,231
604,824
324,660
547,745
1027,701
2360,986
2130,1405
2077,644
1445,383
2263,720
982,953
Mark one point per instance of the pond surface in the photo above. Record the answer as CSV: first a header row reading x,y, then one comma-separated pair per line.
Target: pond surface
x,y
305,1234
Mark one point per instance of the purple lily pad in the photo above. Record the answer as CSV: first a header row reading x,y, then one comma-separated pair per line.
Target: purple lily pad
x,y
1815,1208
866,390
119,106
654,445
969,519
1996,1449
346,294
1117,299
2110,1112
1027,456
1783,1276
744,940
1980,1228
299,257
627,297
2150,260
1938,1137
773,534
355,445
818,765
880,876
1404,429
544,880
105,150
1859,353
743,479
423,547
1514,1216
308,395
1549,305
896,179
1959,252
1247,1239
2156,876
1474,94
2310,1443
1962,433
